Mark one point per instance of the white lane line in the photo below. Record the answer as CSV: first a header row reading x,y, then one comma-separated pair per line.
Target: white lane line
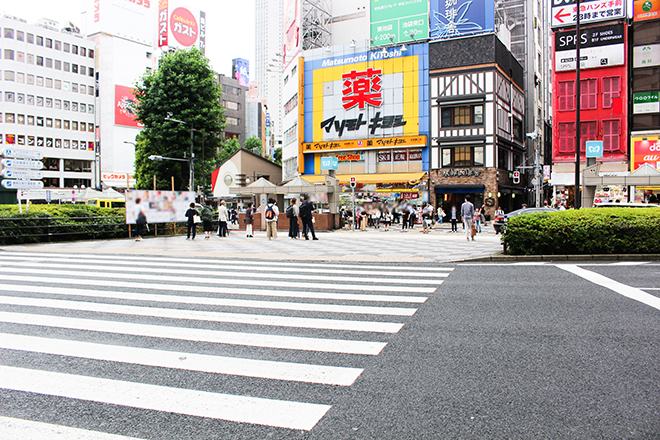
x,y
411,272
628,263
220,276
310,373
648,288
241,409
260,264
17,429
212,301
80,279
204,278
620,288
197,315
199,335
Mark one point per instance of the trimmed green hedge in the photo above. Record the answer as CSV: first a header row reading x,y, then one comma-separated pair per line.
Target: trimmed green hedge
x,y
585,231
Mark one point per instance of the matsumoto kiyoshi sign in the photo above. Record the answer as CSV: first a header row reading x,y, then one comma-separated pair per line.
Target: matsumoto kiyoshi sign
x,y
370,94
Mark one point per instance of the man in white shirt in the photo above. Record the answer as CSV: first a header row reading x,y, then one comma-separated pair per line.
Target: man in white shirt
x,y
223,216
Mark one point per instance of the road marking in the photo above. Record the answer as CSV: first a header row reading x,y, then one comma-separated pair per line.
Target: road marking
x,y
212,301
17,429
198,335
260,264
321,374
80,279
628,263
218,274
410,272
198,315
622,289
648,288
204,278
241,409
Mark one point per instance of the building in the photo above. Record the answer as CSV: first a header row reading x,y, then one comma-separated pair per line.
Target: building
x,y
477,119
234,100
48,102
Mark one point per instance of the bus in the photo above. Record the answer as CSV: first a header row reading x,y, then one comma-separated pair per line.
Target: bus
x,y
107,203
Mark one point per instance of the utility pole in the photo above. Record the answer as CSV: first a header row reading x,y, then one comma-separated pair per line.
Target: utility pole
x,y
577,202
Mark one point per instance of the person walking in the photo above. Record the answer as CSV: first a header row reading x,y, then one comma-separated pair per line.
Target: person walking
x,y
477,220
441,215
140,219
223,216
249,221
207,221
405,215
454,219
305,213
292,212
270,214
412,217
190,214
425,219
467,212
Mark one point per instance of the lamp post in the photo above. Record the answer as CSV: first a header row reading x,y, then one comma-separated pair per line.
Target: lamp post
x,y
191,183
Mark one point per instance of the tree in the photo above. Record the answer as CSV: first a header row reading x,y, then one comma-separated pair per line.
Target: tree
x,y
277,156
185,86
254,145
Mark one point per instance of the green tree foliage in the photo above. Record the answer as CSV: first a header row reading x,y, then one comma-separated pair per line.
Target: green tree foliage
x,y
185,86
254,145
277,156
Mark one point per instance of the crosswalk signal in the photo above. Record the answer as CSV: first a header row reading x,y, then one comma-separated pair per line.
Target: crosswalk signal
x,y
516,177
353,182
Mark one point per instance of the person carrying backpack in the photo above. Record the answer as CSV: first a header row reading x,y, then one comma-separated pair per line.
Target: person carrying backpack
x,y
270,214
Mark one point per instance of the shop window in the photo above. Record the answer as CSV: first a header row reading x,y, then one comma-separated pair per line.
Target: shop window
x,y
589,94
611,90
566,96
462,116
566,137
612,135
588,132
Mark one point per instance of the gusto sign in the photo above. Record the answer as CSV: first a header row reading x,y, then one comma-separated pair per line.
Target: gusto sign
x,y
184,27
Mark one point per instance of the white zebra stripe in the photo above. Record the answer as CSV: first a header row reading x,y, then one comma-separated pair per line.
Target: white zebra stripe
x,y
17,429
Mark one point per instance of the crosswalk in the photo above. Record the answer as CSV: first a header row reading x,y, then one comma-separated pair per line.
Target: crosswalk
x,y
161,322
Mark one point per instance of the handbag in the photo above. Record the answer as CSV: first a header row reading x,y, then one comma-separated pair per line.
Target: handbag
x,y
474,230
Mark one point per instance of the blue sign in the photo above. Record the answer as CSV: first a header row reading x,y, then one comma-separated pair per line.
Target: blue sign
x,y
329,163
458,18
240,70
594,148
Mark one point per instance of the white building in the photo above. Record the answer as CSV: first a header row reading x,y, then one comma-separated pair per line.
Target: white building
x,y
48,99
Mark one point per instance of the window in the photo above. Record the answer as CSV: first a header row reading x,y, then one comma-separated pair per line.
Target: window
x,y
9,118
40,101
58,123
20,35
66,86
9,33
478,158
611,90
589,94
40,81
74,87
286,79
566,137
231,105
49,102
67,125
20,98
74,125
40,61
463,157
9,96
66,47
74,106
40,41
74,145
232,121
20,57
612,135
51,182
294,70
58,65
90,127
74,68
30,79
566,96
30,38
20,119
58,84
646,32
49,82
51,164
9,75
30,100
517,129
49,123
90,109
90,53
502,159
90,71
588,132
83,70
66,66
74,49
58,104
462,116
40,121
30,120
58,45
9,54
20,77
49,63
90,90
83,51
83,126
30,58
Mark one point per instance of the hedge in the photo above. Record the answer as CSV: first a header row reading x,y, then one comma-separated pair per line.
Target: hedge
x,y
585,231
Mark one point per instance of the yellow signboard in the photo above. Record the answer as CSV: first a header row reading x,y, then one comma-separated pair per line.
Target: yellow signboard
x,y
360,144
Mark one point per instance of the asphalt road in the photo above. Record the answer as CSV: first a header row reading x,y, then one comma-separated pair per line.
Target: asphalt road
x,y
108,346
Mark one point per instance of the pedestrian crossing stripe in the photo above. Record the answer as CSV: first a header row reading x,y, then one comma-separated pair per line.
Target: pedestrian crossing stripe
x,y
17,429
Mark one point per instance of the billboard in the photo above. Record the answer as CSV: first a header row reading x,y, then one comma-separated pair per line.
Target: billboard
x,y
180,26
240,70
457,18
600,46
646,102
394,21
646,56
646,10
158,206
564,12
292,37
125,107
365,96
122,18
645,150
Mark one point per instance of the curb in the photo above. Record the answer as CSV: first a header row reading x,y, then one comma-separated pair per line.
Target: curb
x,y
594,257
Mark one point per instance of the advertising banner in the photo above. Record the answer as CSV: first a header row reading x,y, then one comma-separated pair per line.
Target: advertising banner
x,y
392,142
240,70
600,46
125,104
646,56
181,26
162,23
645,150
564,12
395,21
124,18
646,102
292,37
457,18
646,10
158,206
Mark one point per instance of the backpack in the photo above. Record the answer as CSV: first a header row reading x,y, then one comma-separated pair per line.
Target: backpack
x,y
289,212
270,213
304,210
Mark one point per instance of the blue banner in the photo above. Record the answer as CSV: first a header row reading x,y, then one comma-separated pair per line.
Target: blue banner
x,y
458,18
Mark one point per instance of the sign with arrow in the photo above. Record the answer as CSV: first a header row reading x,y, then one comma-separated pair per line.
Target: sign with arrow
x,y
564,12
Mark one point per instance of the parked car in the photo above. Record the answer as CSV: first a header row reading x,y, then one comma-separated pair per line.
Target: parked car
x,y
500,222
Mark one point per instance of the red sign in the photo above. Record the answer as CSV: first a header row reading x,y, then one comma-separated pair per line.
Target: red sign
x,y
400,156
162,23
415,155
361,88
646,151
97,10
409,195
125,107
646,10
384,156
184,27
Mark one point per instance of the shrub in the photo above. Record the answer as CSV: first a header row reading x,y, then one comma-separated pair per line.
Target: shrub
x,y
586,231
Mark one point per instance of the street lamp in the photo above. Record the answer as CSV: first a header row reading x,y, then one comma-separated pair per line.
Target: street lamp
x,y
191,183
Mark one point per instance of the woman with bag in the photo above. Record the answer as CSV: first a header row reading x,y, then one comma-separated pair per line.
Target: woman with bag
x,y
292,213
249,221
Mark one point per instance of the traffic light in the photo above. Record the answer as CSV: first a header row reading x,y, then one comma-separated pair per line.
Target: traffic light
x,y
516,177
353,182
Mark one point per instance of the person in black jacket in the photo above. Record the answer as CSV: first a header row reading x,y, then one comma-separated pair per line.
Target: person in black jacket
x,y
191,213
306,209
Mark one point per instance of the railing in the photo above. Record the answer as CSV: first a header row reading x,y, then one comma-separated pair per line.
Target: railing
x,y
48,229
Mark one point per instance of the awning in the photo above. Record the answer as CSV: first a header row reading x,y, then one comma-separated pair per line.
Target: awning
x,y
345,179
459,189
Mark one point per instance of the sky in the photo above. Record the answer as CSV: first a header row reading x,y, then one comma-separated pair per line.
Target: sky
x,y
230,28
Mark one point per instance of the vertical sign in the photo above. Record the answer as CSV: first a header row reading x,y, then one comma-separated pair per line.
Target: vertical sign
x,y
292,35
162,23
202,31
240,70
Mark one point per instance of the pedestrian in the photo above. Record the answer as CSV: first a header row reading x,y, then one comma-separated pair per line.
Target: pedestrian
x,y
441,214
387,218
292,213
207,221
249,221
477,220
364,215
234,216
270,214
454,219
405,216
140,219
425,219
223,216
412,217
190,214
467,212
305,213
